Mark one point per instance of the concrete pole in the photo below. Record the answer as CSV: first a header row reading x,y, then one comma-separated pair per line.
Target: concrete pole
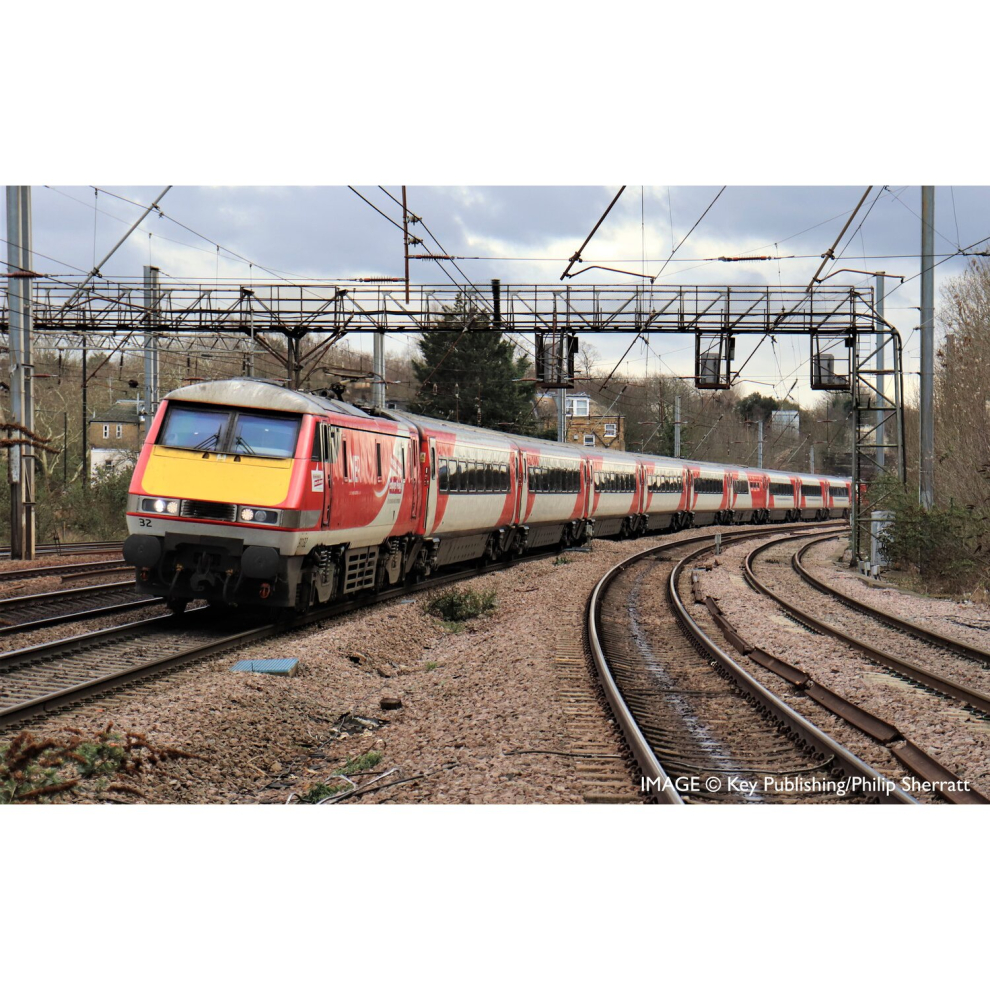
x,y
561,415
759,443
378,384
927,472
878,344
677,426
151,303
22,535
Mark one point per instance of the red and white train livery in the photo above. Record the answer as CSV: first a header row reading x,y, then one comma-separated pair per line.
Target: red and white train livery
x,y
247,492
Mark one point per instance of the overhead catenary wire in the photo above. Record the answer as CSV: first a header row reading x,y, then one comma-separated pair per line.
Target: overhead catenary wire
x,y
688,234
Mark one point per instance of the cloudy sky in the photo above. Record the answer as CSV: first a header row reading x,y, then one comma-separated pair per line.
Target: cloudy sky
x,y
525,234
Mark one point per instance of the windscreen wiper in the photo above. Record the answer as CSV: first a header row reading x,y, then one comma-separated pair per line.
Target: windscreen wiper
x,y
245,445
211,440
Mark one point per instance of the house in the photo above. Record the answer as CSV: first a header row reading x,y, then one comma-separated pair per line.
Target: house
x,y
589,424
114,439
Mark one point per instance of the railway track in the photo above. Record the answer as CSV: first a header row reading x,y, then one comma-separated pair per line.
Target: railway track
x,y
69,549
918,632
65,571
938,666
40,679
936,778
700,727
26,612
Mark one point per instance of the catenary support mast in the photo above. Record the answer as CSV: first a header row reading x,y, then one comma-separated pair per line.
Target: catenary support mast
x,y
22,521
927,464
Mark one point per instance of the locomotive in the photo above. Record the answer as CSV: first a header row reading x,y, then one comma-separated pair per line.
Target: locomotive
x,y
250,493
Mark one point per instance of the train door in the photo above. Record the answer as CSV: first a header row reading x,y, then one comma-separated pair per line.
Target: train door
x,y
409,465
520,484
429,484
326,442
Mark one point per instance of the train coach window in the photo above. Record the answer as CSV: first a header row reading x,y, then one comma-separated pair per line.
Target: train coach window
x,y
443,476
811,491
742,486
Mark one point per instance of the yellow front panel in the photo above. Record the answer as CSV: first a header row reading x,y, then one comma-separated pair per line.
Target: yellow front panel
x,y
217,477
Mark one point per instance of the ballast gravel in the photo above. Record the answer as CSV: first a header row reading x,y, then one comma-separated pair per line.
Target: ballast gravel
x,y
957,738
480,718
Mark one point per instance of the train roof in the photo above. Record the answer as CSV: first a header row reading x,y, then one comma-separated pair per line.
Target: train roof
x,y
259,394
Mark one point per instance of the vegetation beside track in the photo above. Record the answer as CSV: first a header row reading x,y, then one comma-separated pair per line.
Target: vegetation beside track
x,y
37,770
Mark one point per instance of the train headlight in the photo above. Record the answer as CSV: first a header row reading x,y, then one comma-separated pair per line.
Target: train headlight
x,y
164,506
267,517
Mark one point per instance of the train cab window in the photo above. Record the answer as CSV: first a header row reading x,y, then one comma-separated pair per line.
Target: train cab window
x,y
317,454
443,476
194,429
265,436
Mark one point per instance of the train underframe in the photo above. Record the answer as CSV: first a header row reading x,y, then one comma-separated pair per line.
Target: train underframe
x,y
182,567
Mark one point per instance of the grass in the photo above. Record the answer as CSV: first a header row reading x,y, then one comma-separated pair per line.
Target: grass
x,y
430,665
455,607
559,561
356,764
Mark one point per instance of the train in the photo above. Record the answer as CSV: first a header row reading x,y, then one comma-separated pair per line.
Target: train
x,y
248,493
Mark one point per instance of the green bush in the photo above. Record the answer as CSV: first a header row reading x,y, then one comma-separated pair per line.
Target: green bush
x,y
948,546
458,606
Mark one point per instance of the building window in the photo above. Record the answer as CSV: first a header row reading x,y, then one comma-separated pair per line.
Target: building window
x,y
589,439
611,429
577,407
106,431
120,430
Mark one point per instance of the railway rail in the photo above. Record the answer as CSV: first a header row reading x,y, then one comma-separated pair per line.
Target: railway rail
x,y
69,549
688,710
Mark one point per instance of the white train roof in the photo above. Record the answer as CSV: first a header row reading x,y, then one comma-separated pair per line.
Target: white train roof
x,y
259,394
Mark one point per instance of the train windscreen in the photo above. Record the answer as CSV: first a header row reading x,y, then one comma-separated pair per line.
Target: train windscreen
x,y
230,431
